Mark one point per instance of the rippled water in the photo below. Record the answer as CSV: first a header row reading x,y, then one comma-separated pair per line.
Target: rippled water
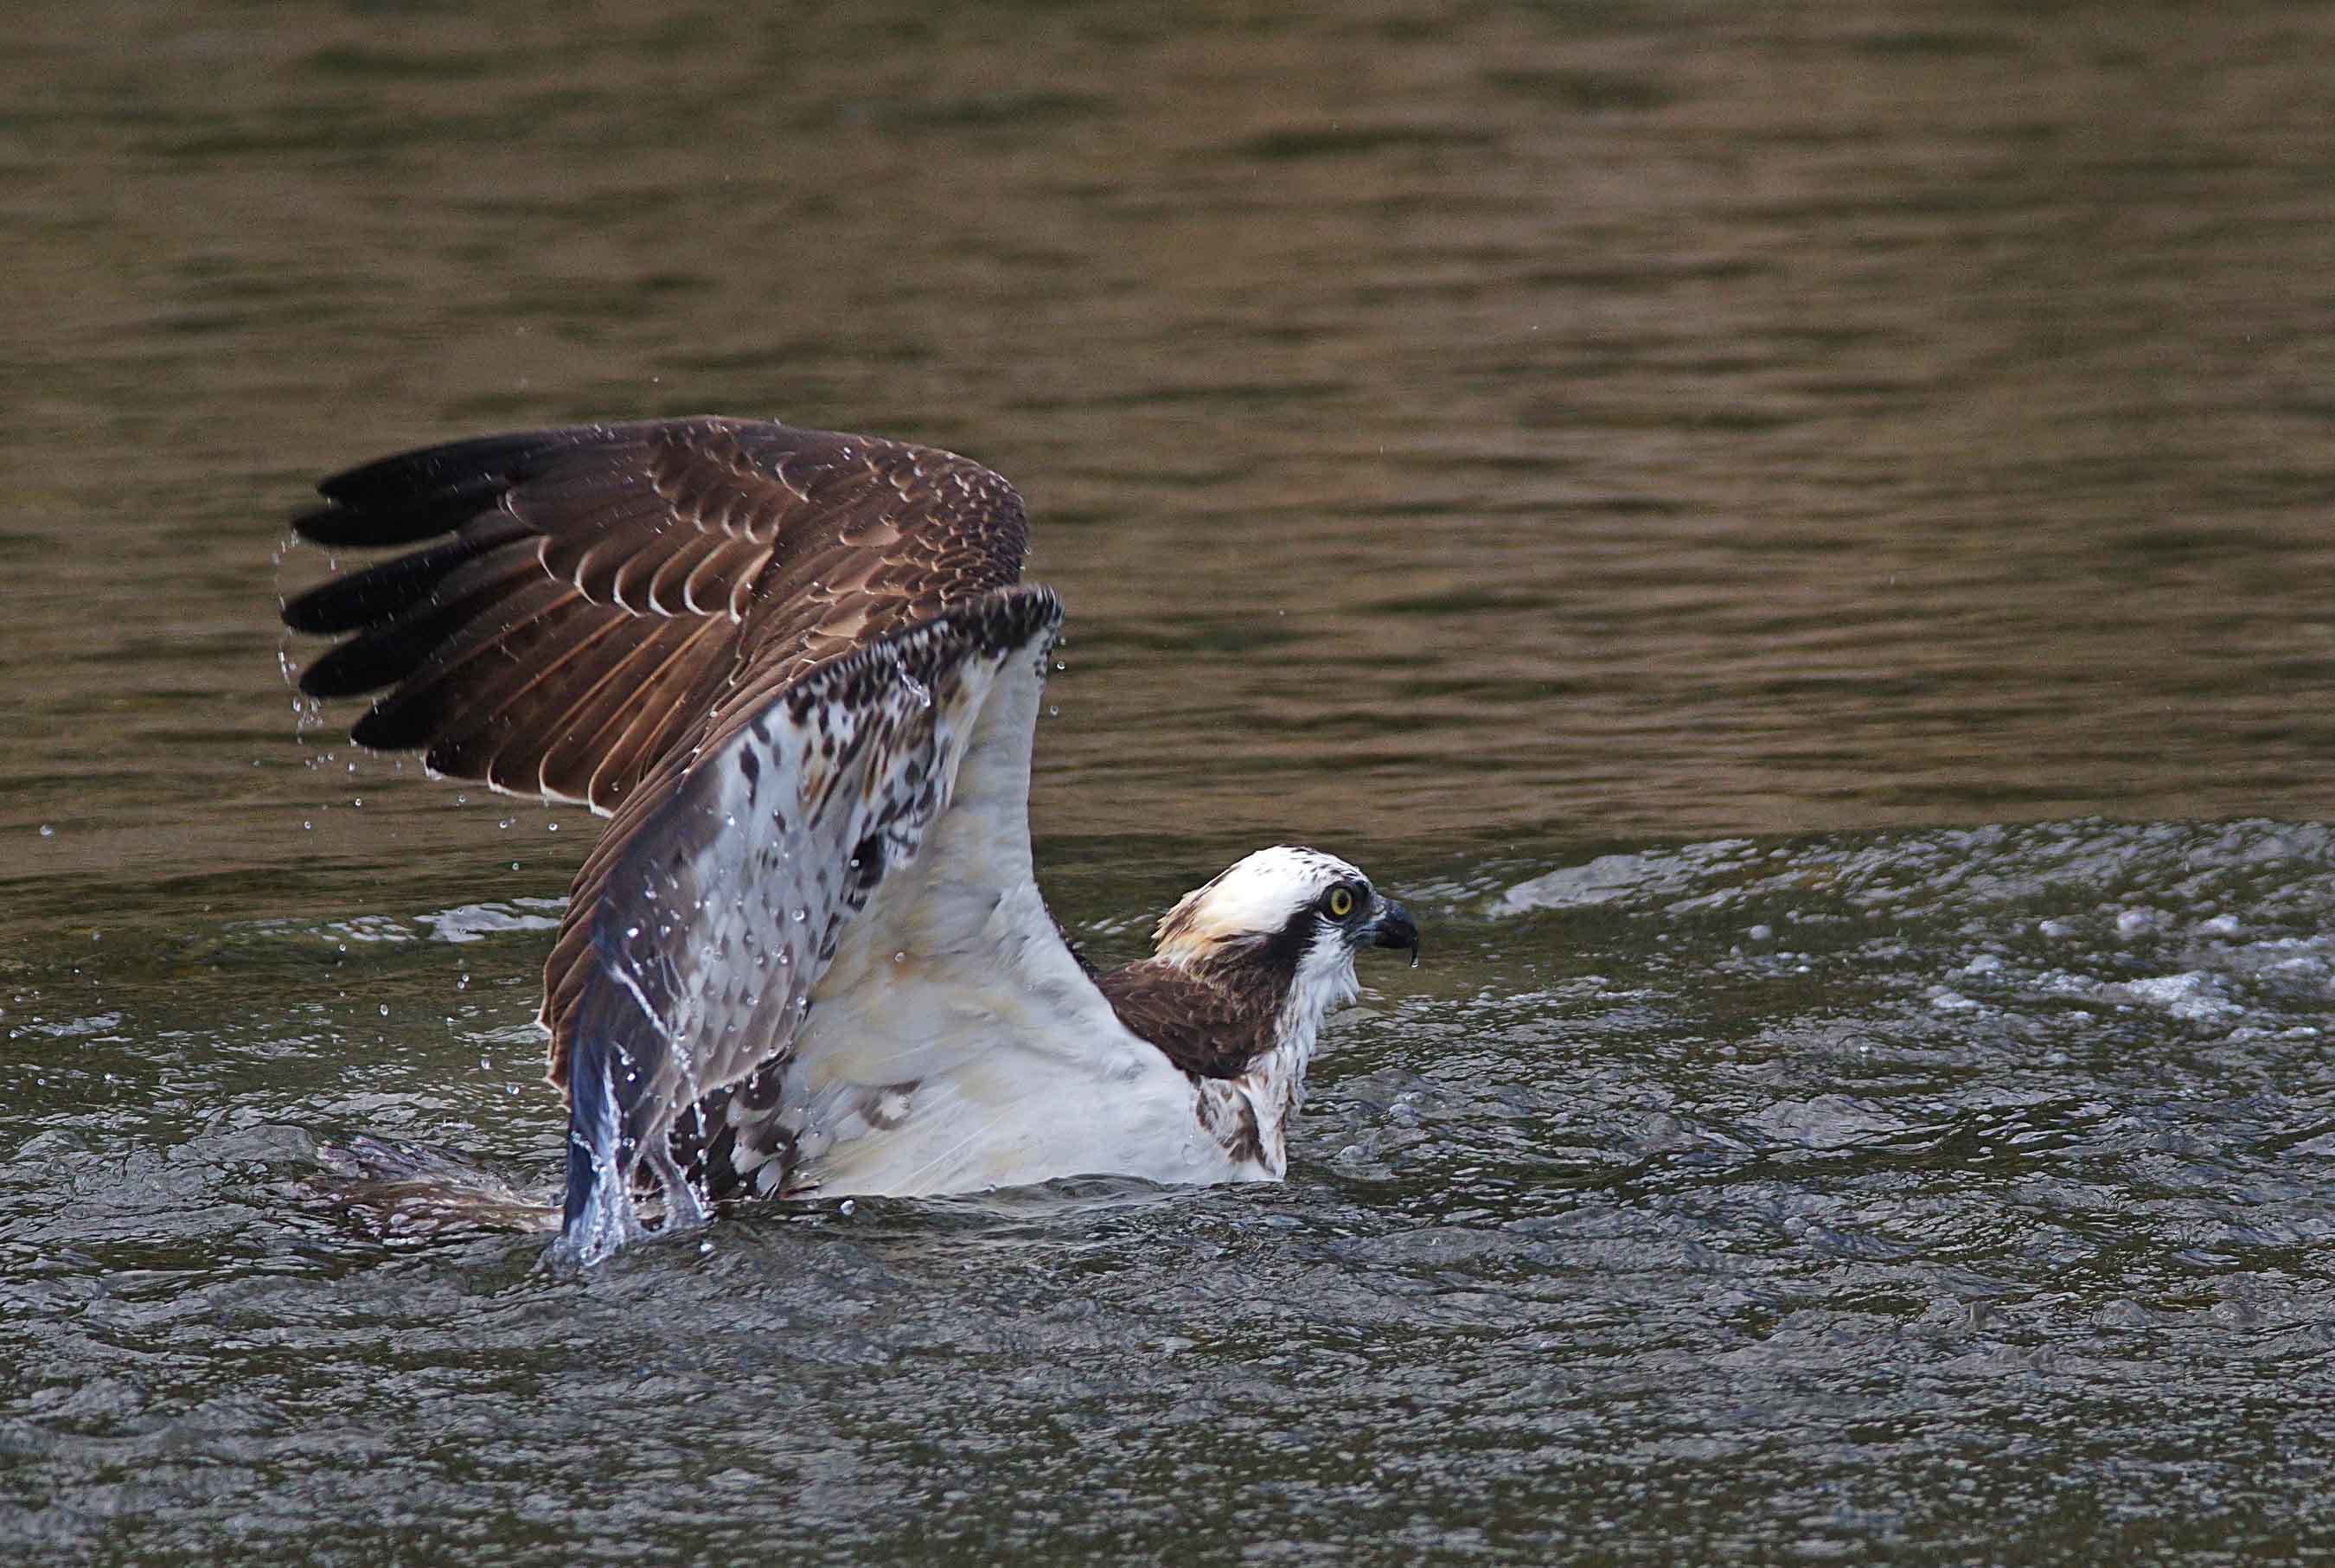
x,y
1796,542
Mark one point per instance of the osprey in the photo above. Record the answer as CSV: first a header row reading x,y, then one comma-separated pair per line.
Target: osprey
x,y
798,673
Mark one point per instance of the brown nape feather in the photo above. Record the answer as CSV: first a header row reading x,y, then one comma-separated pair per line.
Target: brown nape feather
x,y
1211,1024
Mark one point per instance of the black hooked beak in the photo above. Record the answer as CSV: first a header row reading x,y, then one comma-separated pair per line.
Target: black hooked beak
x,y
1393,927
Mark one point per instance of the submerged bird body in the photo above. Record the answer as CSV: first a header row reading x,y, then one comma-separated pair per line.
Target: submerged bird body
x,y
809,954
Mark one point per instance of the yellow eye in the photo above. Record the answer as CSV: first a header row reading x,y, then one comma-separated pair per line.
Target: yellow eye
x,y
1340,903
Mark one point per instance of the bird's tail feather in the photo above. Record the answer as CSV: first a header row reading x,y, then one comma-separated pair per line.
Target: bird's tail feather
x,y
410,1189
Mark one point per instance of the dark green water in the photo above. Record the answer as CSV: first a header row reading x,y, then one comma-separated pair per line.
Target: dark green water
x,y
1797,540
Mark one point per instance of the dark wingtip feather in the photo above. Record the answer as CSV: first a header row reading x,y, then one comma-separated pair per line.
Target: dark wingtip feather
x,y
383,655
404,521
426,473
404,499
349,670
390,725
378,593
324,526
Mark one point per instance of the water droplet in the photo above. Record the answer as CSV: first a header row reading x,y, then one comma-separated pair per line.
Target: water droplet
x,y
48,830
384,1009
551,827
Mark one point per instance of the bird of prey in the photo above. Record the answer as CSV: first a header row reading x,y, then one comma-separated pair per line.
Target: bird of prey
x,y
798,672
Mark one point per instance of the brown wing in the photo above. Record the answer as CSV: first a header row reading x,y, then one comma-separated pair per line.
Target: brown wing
x,y
590,605
587,592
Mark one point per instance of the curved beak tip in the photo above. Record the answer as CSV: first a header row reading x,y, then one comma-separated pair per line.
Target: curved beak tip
x,y
1395,928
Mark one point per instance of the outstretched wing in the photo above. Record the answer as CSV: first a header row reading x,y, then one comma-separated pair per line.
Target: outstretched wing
x,y
728,900
592,606
588,599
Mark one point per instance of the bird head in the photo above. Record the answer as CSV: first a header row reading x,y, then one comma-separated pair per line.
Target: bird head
x,y
1297,915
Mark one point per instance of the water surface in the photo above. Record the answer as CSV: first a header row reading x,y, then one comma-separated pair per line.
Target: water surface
x,y
1794,541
